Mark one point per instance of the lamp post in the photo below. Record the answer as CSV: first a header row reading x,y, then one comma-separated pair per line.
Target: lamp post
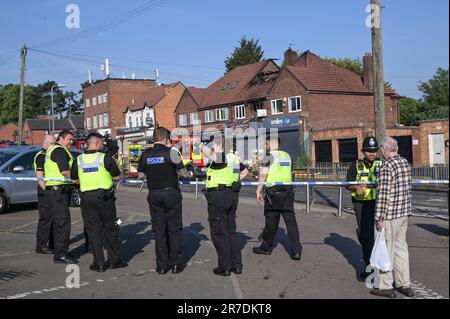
x,y
59,85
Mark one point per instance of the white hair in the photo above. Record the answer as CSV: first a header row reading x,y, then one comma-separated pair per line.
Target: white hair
x,y
390,144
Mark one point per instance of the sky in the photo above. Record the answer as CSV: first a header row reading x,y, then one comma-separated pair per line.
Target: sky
x,y
188,40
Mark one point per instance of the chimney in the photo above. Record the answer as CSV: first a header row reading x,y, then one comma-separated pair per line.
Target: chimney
x,y
368,71
290,57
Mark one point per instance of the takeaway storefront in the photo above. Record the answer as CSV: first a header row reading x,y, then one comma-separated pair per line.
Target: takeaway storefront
x,y
289,132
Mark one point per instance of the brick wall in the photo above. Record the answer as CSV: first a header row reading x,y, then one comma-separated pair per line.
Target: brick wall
x,y
328,111
164,109
427,128
121,92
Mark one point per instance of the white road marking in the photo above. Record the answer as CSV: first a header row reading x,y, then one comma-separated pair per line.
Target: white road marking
x,y
15,254
422,292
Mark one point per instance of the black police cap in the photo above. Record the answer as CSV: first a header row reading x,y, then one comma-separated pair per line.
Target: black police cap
x,y
370,144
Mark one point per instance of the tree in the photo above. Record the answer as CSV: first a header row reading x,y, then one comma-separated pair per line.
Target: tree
x,y
249,51
36,102
354,65
432,105
435,90
408,110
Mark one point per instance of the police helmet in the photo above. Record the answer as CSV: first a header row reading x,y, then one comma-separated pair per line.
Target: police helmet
x,y
370,144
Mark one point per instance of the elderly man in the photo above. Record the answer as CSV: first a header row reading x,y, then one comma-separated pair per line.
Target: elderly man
x,y
391,213
44,237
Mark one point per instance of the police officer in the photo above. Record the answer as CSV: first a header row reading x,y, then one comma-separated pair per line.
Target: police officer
x,y
278,200
160,165
44,236
58,162
95,172
222,194
364,197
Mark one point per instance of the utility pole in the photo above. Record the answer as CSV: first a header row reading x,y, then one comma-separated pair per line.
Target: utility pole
x,y
23,54
377,53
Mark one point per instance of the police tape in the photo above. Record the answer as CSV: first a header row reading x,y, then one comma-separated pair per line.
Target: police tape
x,y
304,183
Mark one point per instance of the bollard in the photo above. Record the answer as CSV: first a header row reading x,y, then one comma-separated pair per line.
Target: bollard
x,y
340,203
308,208
196,188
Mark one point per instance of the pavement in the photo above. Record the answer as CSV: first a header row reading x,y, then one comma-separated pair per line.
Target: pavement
x,y
329,267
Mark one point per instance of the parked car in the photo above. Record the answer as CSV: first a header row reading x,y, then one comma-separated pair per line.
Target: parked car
x,y
18,161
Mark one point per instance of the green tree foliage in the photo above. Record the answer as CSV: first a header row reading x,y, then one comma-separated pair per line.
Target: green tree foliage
x,y
36,102
432,105
435,90
354,65
249,51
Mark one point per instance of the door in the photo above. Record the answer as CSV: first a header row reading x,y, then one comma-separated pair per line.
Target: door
x,y
24,191
436,146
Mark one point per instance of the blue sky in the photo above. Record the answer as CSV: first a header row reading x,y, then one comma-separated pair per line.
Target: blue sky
x,y
188,40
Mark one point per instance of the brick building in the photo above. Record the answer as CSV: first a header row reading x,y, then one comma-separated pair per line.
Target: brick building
x,y
106,100
35,129
309,100
154,108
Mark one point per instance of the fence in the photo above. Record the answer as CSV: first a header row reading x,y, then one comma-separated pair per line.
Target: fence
x,y
338,171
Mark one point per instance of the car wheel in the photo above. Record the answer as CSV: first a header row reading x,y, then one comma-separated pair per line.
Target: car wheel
x,y
75,199
3,203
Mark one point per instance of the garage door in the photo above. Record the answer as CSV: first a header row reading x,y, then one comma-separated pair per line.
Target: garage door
x,y
405,147
348,150
324,151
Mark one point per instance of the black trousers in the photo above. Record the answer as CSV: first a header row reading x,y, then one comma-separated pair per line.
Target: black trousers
x,y
282,205
167,225
365,218
99,219
44,234
58,207
222,206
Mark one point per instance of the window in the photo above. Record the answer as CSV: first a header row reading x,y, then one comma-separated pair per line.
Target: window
x,y
105,97
277,106
88,123
88,103
139,121
182,119
100,99
105,119
100,120
194,118
222,114
94,100
26,161
239,112
95,121
209,116
130,121
148,119
295,104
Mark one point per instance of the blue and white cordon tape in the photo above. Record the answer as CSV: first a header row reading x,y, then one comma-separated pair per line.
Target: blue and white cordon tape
x,y
305,183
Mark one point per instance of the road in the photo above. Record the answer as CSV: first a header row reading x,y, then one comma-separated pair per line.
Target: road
x,y
329,267
432,203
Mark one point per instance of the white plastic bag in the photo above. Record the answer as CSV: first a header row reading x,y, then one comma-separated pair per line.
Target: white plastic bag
x,y
380,257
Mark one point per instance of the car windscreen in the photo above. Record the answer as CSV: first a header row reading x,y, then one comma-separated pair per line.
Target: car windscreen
x,y
4,157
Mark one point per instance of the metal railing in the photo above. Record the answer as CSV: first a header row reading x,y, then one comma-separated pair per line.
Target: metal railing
x,y
338,171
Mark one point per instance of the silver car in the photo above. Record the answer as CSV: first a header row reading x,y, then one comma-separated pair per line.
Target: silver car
x,y
18,161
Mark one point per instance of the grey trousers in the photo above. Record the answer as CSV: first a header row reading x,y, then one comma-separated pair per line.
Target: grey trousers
x,y
395,232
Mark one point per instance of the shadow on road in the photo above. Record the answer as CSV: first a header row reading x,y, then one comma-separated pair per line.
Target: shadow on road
x,y
192,238
134,238
350,249
435,229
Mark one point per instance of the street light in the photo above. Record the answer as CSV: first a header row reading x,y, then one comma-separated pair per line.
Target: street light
x,y
59,85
